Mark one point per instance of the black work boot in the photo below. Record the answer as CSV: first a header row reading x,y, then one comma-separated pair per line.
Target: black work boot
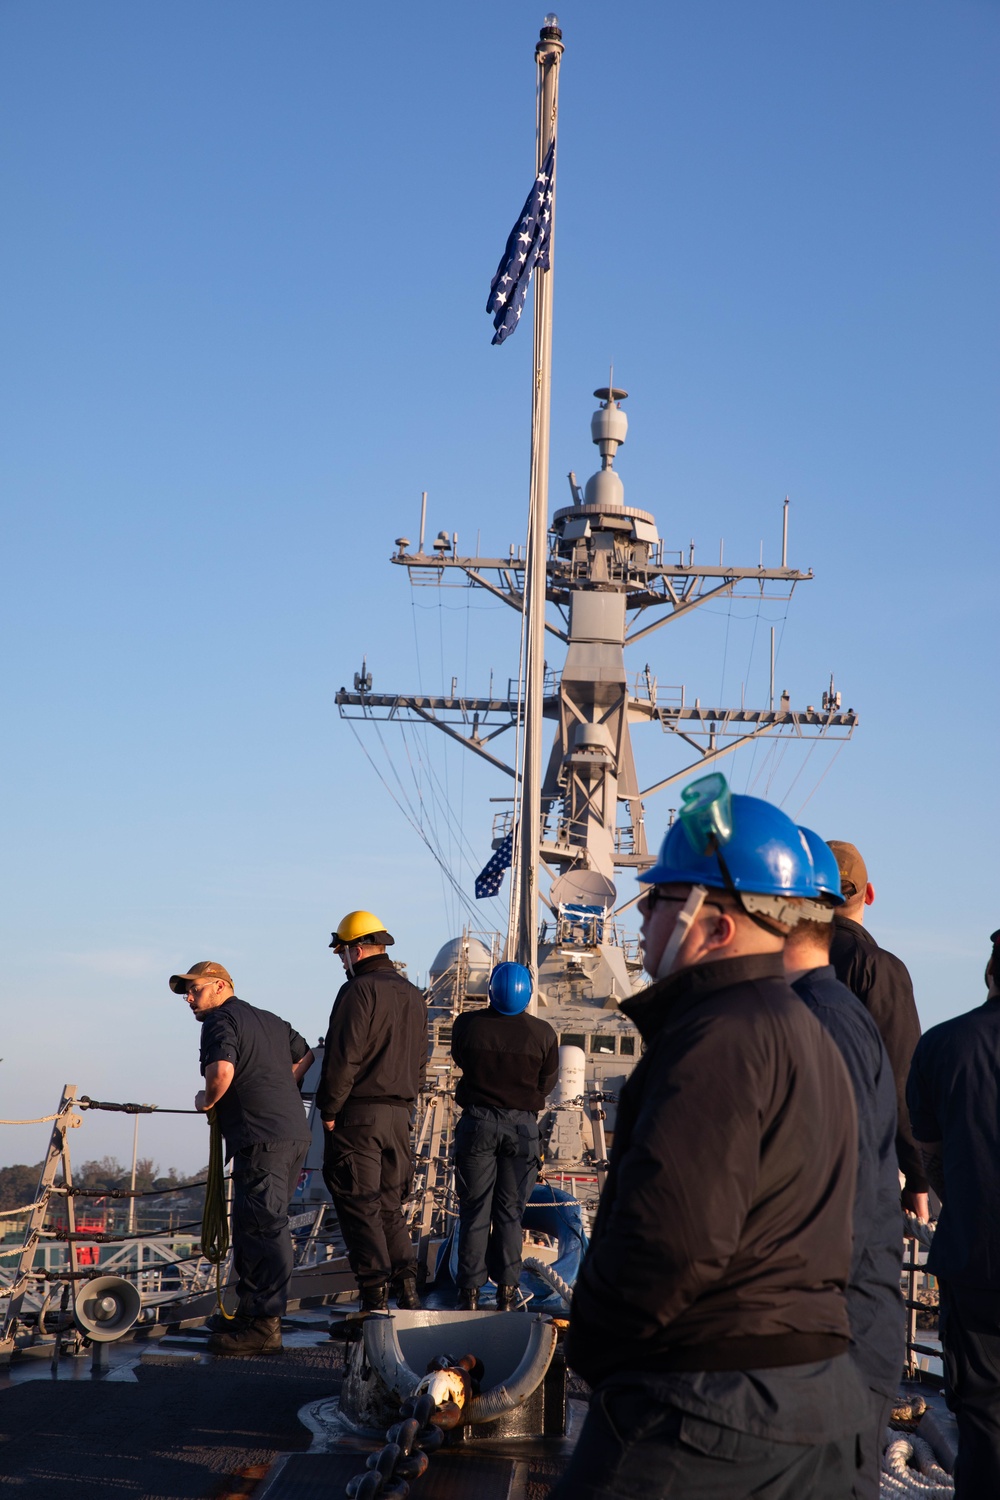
x,y
375,1298
468,1298
404,1288
507,1298
256,1336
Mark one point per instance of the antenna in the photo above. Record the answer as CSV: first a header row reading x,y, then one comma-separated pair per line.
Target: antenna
x,y
423,521
784,534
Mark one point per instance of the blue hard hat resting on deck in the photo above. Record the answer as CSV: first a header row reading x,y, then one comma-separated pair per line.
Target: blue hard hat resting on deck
x,y
510,989
825,864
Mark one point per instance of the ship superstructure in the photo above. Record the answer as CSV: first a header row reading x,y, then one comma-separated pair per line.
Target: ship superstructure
x,y
610,582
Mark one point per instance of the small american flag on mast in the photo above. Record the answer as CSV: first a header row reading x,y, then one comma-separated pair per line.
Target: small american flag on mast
x,y
527,247
490,878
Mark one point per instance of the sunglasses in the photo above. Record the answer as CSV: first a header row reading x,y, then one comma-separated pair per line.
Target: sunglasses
x,y
656,894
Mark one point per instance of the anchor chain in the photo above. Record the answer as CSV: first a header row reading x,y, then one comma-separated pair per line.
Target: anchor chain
x,y
405,1455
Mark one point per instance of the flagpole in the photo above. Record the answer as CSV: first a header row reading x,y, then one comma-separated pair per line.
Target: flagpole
x,y
548,54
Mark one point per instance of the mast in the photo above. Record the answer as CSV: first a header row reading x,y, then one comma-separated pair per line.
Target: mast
x,y
523,935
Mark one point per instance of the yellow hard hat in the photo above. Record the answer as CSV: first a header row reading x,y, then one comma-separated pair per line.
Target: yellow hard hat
x,y
361,927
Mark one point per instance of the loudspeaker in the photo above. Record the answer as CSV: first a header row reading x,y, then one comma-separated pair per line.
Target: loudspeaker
x,y
106,1307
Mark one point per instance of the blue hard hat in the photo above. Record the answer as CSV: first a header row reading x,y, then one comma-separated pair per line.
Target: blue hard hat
x,y
729,842
510,989
825,865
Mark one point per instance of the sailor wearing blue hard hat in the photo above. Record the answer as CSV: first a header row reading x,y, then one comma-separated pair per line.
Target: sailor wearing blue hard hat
x,y
709,1314
509,1062
743,846
874,1303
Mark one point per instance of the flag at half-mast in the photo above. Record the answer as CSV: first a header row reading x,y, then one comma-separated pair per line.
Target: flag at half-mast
x,y
527,247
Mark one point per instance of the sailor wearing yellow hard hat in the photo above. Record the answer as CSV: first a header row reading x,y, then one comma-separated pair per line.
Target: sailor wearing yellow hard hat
x,y
359,929
374,1065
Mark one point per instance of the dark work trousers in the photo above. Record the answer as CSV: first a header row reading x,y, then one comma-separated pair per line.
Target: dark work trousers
x,y
264,1178
634,1447
368,1168
970,1335
496,1163
867,1483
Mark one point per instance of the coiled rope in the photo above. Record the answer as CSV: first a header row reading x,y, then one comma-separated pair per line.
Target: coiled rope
x,y
928,1480
215,1219
551,1278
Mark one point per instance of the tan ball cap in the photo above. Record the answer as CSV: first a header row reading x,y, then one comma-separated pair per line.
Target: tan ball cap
x,y
853,870
205,970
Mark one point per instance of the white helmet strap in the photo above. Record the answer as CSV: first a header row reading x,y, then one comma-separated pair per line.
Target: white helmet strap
x,y
685,918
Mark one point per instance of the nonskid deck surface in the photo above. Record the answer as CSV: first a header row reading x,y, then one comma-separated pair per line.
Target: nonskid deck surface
x,y
170,1422
177,1431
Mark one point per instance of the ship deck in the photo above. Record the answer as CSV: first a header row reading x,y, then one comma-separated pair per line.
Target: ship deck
x,y
170,1422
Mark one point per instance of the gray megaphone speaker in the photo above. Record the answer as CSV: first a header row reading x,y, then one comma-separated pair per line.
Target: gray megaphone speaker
x,y
106,1307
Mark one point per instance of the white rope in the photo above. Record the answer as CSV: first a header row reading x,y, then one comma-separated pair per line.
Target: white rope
x,y
13,1213
11,1250
926,1480
42,1120
553,1279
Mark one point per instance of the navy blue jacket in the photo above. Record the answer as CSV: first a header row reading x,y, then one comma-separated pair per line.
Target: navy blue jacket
x,y
874,1302
954,1097
882,984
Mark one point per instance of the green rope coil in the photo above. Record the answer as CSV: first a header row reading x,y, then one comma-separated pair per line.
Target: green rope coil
x,y
215,1218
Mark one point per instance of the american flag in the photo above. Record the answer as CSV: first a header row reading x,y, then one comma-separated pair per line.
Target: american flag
x,y
490,878
527,247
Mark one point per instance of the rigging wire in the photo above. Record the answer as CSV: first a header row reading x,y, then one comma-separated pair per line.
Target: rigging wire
x,y
468,855
435,802
414,824
791,788
819,783
414,606
777,653
430,835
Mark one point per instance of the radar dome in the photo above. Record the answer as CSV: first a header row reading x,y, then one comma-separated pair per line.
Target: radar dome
x,y
469,953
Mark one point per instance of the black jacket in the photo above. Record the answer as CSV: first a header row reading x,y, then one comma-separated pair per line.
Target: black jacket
x,y
723,1236
882,984
376,1047
507,1062
263,1102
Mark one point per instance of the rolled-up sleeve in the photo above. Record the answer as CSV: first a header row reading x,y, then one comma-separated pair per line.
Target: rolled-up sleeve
x,y
297,1045
219,1040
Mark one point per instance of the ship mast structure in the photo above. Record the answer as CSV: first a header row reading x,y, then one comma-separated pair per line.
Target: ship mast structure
x,y
610,583
602,566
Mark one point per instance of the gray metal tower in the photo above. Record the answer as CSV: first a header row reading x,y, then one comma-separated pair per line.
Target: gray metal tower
x,y
611,583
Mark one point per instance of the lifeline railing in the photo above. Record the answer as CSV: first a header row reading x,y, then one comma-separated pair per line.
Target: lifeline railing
x,y
167,1263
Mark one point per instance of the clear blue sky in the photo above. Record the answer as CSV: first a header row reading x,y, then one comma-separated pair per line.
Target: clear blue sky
x,y
245,257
